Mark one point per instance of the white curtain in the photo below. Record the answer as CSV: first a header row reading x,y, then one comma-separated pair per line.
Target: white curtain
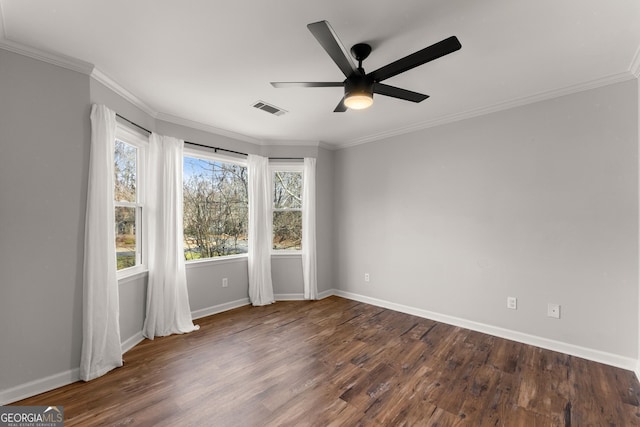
x,y
101,350
260,240
168,310
309,263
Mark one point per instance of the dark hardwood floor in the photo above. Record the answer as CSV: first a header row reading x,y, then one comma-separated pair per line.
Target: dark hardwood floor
x,y
337,362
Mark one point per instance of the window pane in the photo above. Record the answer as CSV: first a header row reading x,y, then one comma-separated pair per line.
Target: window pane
x,y
287,188
287,230
216,210
125,236
125,159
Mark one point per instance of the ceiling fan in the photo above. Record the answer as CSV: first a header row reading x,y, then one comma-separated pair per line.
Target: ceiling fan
x,y
359,86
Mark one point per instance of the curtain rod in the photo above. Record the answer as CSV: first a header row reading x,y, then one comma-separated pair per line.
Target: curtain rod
x,y
186,142
215,149
135,124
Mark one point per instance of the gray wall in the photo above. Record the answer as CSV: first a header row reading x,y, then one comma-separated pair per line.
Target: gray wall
x,y
44,158
324,220
204,280
133,301
538,202
286,275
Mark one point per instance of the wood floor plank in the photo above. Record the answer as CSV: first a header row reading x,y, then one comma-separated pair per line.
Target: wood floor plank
x,y
338,362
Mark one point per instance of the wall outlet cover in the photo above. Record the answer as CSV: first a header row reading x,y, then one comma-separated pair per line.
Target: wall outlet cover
x,y
553,310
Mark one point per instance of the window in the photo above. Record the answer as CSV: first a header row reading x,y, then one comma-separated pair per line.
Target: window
x,y
129,155
287,207
216,207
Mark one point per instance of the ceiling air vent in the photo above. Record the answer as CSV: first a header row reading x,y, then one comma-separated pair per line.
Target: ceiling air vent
x,y
261,105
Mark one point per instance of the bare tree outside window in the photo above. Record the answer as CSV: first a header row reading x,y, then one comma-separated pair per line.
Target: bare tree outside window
x,y
125,200
215,208
287,210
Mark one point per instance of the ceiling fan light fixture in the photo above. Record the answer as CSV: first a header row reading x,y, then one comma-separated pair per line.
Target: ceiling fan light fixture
x,y
358,93
358,101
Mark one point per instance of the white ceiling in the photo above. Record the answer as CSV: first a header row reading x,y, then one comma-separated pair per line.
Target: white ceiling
x,y
208,61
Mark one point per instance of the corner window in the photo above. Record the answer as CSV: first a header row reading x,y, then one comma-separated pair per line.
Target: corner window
x,y
216,207
287,207
128,195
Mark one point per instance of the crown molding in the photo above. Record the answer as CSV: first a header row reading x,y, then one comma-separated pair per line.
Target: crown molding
x,y
50,58
327,146
300,143
98,75
481,111
101,77
207,128
110,83
290,142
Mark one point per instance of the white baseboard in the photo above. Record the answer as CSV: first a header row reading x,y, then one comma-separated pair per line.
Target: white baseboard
x,y
131,342
54,381
39,386
300,296
289,297
574,350
326,294
204,312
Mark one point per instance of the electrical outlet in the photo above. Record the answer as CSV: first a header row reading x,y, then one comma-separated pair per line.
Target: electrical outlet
x,y
225,282
366,277
553,310
512,303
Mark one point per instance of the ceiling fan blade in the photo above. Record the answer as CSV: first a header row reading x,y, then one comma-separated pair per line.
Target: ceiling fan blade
x,y
396,92
328,39
420,57
340,108
307,84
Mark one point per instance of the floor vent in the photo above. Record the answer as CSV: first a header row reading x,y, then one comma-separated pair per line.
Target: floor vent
x,y
272,109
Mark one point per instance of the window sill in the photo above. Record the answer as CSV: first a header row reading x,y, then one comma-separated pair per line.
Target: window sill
x,y
131,274
286,254
217,260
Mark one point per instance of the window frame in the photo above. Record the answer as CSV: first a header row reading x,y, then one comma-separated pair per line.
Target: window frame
x,y
141,143
285,167
216,157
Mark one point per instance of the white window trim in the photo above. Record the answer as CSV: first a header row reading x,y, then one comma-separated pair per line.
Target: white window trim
x,y
216,157
141,142
284,167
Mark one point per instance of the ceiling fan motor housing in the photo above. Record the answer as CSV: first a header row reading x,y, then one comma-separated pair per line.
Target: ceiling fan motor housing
x,y
358,84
